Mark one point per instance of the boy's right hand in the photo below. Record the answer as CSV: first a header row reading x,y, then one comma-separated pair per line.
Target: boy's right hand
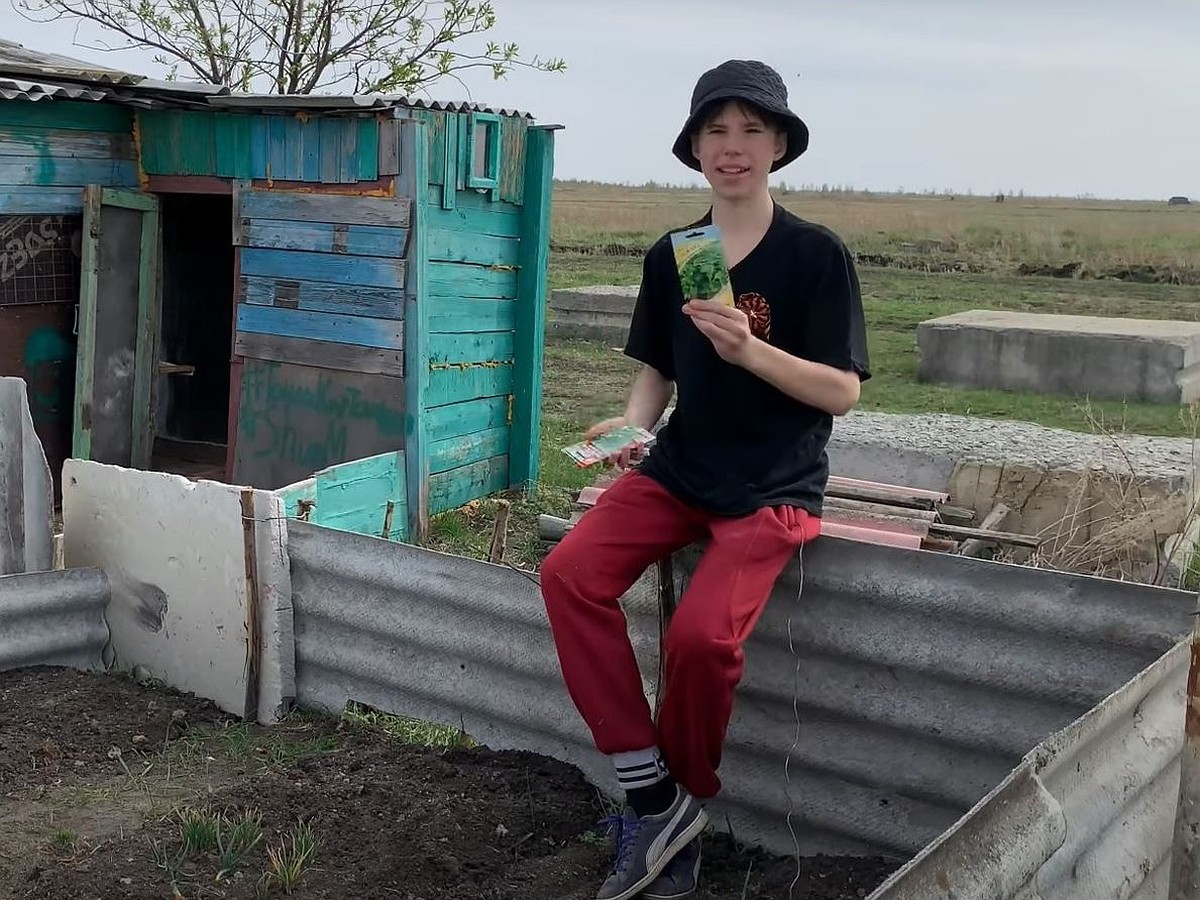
x,y
628,455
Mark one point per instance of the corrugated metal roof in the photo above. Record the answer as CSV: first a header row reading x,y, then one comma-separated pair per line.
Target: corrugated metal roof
x,y
336,102
18,60
11,89
64,78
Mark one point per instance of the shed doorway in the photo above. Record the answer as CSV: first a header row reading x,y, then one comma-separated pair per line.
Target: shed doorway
x,y
195,340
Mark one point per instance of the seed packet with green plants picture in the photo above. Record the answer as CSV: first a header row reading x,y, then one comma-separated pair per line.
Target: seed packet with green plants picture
x,y
700,260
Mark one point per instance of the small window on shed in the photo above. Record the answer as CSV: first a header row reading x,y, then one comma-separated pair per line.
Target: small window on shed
x,y
483,151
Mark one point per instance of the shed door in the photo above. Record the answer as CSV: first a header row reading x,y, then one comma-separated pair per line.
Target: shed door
x,y
319,340
117,313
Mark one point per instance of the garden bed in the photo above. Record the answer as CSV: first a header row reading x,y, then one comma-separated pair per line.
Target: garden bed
x,y
114,789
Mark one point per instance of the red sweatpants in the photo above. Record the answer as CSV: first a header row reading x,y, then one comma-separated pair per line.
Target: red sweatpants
x,y
636,523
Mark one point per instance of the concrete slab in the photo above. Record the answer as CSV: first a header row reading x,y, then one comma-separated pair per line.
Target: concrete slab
x,y
1080,356
599,312
26,490
184,604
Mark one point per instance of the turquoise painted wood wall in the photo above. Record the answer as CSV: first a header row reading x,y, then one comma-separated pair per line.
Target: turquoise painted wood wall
x,y
50,149
449,303
273,147
365,496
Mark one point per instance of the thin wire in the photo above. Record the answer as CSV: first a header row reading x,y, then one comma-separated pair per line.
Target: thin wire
x,y
796,713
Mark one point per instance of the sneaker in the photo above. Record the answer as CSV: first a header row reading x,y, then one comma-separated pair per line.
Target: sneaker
x,y
646,845
678,878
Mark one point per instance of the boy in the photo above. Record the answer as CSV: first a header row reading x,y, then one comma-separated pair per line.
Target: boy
x,y
741,462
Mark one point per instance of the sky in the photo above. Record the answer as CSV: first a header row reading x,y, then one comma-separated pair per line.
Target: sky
x,y
1050,97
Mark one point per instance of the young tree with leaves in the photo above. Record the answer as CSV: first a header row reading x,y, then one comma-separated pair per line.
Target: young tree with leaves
x,y
304,46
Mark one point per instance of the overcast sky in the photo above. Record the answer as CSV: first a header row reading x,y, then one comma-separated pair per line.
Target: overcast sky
x,y
1065,97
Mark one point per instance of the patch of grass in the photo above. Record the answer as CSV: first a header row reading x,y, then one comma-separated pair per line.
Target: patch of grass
x,y
64,838
199,830
586,381
408,731
290,858
237,837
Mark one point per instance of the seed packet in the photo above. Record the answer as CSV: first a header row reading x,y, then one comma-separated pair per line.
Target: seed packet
x,y
700,261
588,453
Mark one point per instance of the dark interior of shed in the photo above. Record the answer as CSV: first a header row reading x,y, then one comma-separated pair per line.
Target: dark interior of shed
x,y
196,334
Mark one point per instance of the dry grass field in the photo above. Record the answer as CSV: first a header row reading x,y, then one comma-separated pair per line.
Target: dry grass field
x,y
932,232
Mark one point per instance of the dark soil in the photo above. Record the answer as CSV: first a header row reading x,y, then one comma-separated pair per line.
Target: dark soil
x,y
79,820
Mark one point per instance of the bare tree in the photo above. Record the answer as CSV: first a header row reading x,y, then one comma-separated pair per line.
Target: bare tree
x,y
302,46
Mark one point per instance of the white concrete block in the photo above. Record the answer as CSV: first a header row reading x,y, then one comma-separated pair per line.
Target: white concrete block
x,y
26,491
176,553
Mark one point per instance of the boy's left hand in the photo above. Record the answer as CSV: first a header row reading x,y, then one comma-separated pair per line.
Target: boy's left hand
x,y
726,327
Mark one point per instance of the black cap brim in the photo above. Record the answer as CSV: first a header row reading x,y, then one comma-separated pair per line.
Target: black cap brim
x,y
794,127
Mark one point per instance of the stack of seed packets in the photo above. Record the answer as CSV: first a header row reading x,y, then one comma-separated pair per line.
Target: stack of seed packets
x,y
588,453
700,261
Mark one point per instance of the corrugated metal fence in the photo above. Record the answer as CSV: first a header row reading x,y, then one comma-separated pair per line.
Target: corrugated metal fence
x,y
1088,814
53,619
920,679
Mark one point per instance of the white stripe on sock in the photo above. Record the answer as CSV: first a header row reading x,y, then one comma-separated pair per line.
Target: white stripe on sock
x,y
639,768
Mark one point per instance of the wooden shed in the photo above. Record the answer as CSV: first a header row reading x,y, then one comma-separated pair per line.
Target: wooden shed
x,y
342,294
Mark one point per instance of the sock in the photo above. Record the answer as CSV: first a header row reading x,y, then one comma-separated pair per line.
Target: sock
x,y
649,787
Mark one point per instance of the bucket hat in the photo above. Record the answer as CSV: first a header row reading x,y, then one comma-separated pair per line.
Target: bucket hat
x,y
753,82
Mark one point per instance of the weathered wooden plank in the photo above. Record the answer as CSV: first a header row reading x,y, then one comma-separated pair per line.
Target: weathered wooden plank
x,y
233,138
197,143
462,160
464,280
367,271
457,487
348,152
364,496
513,132
331,148
460,384
367,151
54,171
362,331
463,450
284,152
324,237
529,345
414,173
389,148
500,219
320,354
435,132
16,140
450,315
310,150
485,348
260,146
45,200
294,420
315,296
471,247
450,177
68,114
338,209
469,417
225,145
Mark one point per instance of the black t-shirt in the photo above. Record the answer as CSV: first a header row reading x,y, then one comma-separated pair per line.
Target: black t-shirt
x,y
734,442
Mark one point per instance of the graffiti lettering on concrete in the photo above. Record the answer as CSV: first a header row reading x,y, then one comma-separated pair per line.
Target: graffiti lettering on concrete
x,y
20,249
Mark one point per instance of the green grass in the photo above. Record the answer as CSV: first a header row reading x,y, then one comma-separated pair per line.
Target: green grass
x,y
895,302
416,732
